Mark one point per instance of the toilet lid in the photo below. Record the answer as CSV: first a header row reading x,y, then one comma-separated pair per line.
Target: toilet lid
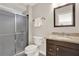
x,y
30,49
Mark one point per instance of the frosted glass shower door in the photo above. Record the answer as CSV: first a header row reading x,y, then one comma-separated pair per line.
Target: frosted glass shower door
x,y
21,33
7,40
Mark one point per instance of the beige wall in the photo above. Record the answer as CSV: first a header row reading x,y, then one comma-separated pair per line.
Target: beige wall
x,y
46,10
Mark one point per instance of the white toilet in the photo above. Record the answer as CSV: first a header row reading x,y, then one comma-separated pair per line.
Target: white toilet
x,y
33,49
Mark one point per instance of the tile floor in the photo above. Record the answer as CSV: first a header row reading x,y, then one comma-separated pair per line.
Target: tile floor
x,y
26,55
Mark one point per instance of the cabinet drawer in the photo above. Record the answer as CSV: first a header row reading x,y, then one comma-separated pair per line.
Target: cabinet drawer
x,y
51,50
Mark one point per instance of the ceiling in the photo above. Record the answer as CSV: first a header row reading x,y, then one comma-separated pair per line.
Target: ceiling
x,y
20,7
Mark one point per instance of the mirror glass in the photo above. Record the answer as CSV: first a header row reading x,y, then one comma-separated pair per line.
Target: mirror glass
x,y
64,15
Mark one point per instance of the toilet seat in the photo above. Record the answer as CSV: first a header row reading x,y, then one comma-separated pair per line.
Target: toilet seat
x,y
30,49
33,49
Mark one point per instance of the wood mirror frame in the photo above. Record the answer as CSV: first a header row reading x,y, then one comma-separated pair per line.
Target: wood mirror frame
x,y
73,15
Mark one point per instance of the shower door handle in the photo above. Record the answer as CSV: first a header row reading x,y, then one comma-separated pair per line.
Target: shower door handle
x,y
15,36
15,42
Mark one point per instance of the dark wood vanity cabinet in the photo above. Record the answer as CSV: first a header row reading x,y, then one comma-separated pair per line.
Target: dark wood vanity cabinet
x,y
60,48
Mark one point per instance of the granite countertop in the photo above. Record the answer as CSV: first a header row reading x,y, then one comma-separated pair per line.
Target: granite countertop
x,y
65,38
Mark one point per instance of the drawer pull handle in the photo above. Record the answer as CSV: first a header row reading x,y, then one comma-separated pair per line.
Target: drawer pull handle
x,y
50,49
57,49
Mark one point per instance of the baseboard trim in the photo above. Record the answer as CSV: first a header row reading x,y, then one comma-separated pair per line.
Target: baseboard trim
x,y
43,53
23,52
19,53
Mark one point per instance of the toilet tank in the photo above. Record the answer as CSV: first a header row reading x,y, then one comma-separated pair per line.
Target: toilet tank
x,y
38,40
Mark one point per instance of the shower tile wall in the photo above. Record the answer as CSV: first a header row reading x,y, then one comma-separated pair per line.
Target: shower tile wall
x,y
7,23
7,46
20,23
7,42
20,33
11,41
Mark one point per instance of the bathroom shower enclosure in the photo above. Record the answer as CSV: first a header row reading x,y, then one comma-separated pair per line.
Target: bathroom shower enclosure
x,y
13,33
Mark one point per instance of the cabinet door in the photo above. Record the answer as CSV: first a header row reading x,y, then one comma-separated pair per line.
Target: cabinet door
x,y
65,51
51,50
59,51
69,52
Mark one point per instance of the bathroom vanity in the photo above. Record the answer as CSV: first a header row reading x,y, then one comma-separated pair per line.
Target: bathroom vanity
x,y
64,46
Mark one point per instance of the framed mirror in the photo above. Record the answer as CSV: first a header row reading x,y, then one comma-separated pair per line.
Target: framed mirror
x,y
64,16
